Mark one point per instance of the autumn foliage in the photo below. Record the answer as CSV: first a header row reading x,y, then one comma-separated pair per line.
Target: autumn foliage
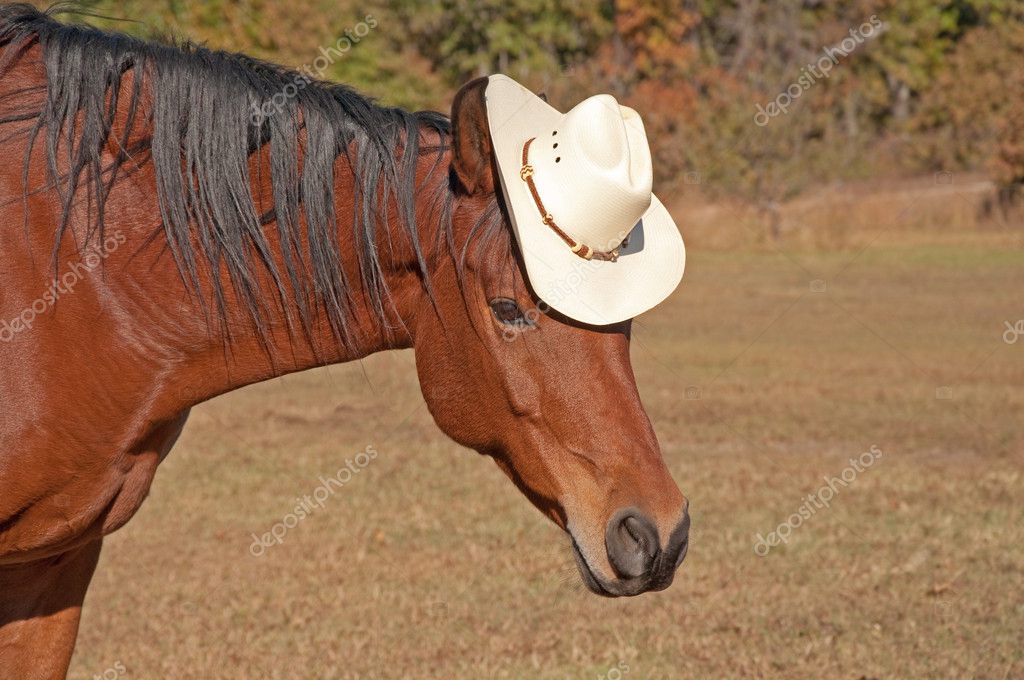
x,y
937,86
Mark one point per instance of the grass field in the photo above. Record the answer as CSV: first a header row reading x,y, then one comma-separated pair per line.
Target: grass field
x,y
765,373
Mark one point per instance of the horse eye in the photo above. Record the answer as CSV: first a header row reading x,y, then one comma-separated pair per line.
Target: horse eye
x,y
507,312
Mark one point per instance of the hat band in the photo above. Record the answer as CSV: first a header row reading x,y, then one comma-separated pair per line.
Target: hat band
x,y
583,250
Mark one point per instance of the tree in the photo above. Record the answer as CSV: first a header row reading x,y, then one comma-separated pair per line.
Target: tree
x,y
974,114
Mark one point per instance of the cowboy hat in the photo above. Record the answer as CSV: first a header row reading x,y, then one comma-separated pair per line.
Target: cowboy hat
x,y
597,245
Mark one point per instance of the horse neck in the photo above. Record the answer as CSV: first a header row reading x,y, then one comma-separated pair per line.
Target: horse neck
x,y
213,356
172,346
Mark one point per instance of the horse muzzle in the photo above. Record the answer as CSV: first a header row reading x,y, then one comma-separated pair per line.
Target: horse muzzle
x,y
640,562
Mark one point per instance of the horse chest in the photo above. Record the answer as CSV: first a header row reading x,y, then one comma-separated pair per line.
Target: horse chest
x,y
62,499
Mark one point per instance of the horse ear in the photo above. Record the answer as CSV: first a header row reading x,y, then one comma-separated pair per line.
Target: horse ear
x,y
472,153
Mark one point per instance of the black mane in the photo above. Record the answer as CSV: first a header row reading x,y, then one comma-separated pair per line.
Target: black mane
x,y
210,111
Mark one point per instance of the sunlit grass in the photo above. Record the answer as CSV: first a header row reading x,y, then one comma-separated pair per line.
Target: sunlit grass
x,y
430,564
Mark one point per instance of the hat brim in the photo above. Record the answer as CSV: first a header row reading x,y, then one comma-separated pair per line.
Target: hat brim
x,y
595,292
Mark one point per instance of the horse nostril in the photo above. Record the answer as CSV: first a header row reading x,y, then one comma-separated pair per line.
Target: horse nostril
x,y
632,543
641,532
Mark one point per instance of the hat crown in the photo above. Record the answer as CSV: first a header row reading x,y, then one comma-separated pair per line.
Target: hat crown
x,y
599,127
594,171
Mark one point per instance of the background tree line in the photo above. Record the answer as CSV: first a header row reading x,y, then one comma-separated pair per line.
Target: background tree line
x,y
940,85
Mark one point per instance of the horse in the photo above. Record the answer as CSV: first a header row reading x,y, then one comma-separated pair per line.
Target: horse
x,y
177,222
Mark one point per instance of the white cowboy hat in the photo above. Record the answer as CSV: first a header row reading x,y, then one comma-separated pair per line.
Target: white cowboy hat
x,y
598,246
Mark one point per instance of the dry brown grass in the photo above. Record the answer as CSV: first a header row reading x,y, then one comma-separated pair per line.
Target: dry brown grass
x,y
945,208
430,564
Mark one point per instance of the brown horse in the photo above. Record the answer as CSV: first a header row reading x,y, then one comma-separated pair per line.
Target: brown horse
x,y
176,223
